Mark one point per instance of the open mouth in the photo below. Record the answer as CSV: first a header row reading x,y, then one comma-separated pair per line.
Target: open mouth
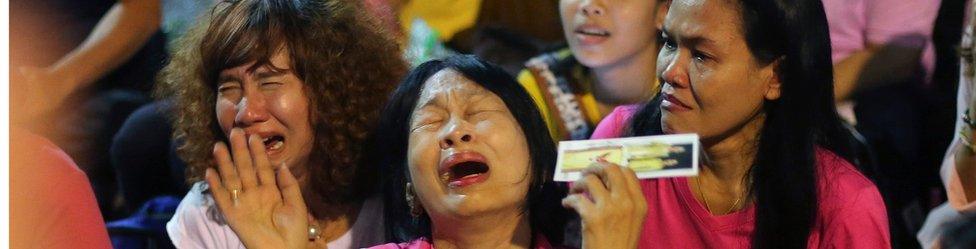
x,y
273,143
466,170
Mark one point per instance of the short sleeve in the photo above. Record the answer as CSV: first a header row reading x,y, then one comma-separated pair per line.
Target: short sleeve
x,y
81,224
195,223
52,204
612,126
907,22
861,222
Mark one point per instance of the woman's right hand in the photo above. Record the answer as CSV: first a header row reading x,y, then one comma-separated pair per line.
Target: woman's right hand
x,y
614,216
264,208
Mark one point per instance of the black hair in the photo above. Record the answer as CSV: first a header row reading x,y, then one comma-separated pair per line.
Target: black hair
x,y
389,148
804,118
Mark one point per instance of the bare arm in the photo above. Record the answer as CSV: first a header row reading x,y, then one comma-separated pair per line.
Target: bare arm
x,y
964,156
876,65
966,170
119,35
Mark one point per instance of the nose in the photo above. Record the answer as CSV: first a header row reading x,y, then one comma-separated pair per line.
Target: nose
x,y
251,109
592,8
457,133
675,72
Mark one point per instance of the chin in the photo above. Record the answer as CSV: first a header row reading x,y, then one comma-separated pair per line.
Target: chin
x,y
476,210
591,59
475,204
670,127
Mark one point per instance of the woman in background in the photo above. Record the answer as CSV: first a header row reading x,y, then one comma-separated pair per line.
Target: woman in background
x,y
753,79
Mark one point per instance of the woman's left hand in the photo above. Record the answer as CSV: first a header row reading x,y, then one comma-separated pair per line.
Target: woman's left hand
x,y
614,216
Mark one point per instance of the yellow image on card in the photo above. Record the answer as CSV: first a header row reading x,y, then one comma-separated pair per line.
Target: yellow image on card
x,y
576,160
650,157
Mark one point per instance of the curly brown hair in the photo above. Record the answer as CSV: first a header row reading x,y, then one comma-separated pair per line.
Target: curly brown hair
x,y
348,65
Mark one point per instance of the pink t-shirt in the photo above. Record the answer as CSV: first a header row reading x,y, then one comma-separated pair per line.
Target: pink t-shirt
x,y
541,242
851,212
51,201
855,23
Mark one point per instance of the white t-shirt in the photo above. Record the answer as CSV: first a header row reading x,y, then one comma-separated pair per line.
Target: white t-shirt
x,y
197,223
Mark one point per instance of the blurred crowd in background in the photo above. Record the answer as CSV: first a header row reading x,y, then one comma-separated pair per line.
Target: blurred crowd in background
x,y
83,73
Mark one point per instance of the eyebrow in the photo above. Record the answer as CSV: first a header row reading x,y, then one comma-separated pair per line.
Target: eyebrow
x,y
263,74
692,40
224,78
438,101
270,73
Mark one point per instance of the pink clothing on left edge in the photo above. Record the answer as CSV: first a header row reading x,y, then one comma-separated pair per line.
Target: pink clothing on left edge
x,y
851,212
52,204
855,23
541,242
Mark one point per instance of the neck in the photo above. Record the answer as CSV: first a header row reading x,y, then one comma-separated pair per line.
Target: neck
x,y
333,219
337,221
509,230
628,81
728,160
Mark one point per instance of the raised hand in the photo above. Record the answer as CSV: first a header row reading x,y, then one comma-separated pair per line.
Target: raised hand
x,y
264,208
614,217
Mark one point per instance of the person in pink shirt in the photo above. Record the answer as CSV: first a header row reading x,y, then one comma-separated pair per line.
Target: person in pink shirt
x,y
884,58
52,204
878,41
753,79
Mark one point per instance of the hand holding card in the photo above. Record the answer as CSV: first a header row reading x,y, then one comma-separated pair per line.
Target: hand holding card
x,y
649,156
611,206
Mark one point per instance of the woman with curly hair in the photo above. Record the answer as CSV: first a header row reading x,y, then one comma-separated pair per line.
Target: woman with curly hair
x,y
303,78
467,160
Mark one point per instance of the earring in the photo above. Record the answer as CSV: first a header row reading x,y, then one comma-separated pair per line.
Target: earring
x,y
416,210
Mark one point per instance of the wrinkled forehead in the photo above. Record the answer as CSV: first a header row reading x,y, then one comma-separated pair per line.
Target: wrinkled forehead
x,y
699,17
279,62
450,85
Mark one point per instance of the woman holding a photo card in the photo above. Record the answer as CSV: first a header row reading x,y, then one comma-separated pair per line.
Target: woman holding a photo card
x,y
467,163
753,79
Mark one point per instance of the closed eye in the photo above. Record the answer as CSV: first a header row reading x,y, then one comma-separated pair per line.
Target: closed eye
x,y
480,113
223,88
271,85
427,118
427,124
